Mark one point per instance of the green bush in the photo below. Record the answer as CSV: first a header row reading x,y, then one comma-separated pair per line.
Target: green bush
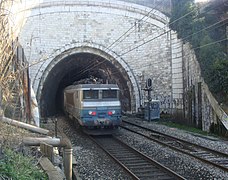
x,y
18,167
206,32
184,127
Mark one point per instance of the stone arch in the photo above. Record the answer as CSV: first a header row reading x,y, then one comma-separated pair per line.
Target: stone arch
x,y
102,6
45,15
98,50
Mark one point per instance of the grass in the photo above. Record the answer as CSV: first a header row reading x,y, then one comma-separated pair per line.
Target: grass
x,y
184,127
15,166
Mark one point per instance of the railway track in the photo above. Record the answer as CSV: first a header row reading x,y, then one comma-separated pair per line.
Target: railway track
x,y
209,156
138,165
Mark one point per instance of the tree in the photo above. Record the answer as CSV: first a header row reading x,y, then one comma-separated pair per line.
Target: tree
x,y
206,32
183,13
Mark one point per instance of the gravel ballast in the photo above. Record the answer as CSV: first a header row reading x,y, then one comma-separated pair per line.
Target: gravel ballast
x,y
93,163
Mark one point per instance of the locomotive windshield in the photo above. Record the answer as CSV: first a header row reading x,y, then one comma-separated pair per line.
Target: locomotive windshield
x,y
90,94
109,94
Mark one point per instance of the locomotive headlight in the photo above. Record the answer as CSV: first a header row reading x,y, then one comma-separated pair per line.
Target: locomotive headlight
x,y
92,113
111,112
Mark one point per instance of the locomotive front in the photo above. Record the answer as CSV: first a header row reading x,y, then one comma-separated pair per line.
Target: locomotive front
x,y
101,106
94,106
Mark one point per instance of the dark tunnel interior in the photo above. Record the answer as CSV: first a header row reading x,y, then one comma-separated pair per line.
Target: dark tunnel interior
x,y
76,68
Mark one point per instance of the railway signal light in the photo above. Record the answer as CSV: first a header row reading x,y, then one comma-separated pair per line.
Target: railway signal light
x,y
149,83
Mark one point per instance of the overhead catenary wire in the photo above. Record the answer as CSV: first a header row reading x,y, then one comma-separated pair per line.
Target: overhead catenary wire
x,y
88,68
167,32
122,35
199,47
44,59
95,65
126,34
116,40
212,43
206,28
112,43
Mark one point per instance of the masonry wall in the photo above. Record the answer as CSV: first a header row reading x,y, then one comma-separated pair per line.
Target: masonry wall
x,y
53,27
200,107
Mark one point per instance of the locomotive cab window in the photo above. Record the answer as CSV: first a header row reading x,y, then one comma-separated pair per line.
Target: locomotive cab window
x,y
70,98
109,94
90,94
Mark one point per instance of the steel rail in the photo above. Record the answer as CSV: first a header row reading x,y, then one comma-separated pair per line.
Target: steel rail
x,y
136,164
188,148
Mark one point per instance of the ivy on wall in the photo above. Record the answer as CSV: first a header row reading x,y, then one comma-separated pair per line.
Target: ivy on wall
x,y
205,30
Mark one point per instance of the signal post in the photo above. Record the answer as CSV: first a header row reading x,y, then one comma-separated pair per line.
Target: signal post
x,y
149,89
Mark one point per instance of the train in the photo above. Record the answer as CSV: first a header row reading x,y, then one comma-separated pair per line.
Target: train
x,y
94,106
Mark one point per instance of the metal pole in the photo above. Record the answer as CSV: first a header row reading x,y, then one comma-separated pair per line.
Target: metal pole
x,y
56,127
27,91
29,96
1,113
149,103
67,155
149,89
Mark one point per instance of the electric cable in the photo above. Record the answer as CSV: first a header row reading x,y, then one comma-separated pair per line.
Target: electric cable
x,y
81,72
206,28
126,33
120,38
91,66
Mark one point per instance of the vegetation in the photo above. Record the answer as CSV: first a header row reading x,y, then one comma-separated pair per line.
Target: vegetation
x,y
18,167
12,165
12,68
206,32
183,127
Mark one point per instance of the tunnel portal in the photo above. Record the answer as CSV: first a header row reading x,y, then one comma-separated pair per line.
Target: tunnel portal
x,y
75,68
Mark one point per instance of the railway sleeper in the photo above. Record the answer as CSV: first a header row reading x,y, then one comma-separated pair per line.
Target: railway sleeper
x,y
225,162
122,151
149,170
143,167
200,153
158,175
125,153
220,160
123,156
137,164
134,159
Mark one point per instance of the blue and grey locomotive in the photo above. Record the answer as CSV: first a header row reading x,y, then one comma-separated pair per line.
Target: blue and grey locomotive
x,y
93,105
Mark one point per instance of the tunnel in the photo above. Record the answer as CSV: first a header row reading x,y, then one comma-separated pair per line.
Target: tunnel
x,y
78,68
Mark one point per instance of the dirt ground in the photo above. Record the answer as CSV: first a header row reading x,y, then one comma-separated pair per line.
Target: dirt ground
x,y
12,137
